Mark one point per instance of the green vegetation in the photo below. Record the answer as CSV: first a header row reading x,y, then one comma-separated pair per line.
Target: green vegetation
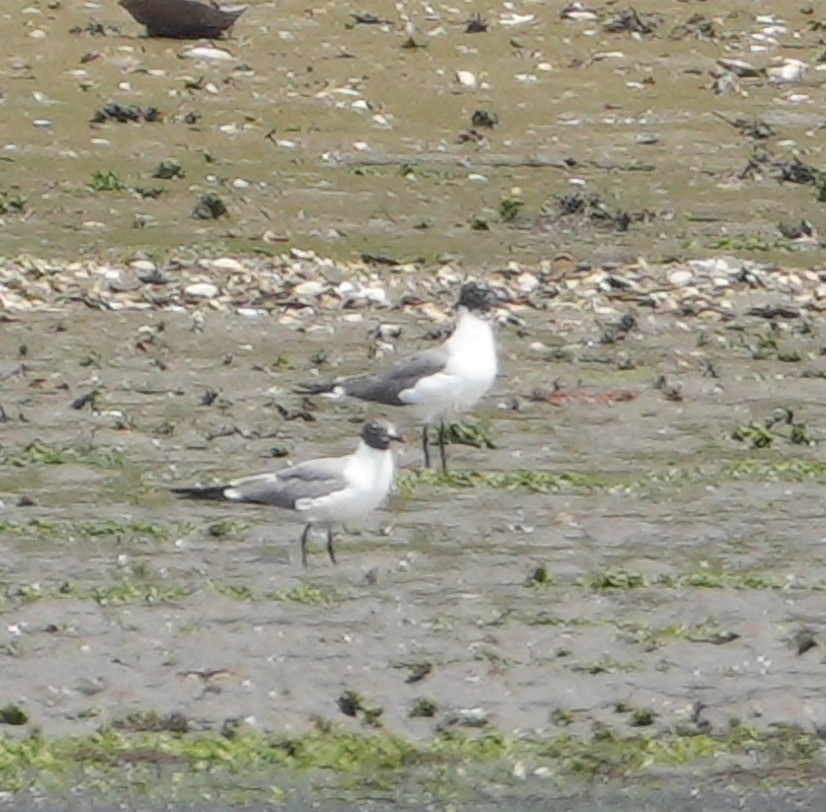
x,y
750,244
605,665
13,715
617,578
423,708
39,453
780,425
124,591
158,747
226,528
168,170
351,703
509,208
133,592
653,637
144,587
784,470
106,181
668,476
12,202
538,481
301,593
541,576
210,206
40,528
476,435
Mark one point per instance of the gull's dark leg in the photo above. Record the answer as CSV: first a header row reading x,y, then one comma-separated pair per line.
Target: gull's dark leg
x,y
330,549
442,442
426,446
304,536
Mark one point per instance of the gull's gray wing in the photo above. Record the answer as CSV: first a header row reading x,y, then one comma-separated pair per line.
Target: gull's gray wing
x,y
386,387
308,480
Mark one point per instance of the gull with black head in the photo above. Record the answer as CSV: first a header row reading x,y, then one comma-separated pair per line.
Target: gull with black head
x,y
437,383
325,491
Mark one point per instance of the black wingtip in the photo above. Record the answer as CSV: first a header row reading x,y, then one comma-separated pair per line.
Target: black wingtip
x,y
214,493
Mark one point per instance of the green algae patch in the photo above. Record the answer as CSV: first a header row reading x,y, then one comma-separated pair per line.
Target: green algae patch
x,y
622,579
147,589
38,452
661,479
610,755
49,530
178,758
301,593
783,470
536,481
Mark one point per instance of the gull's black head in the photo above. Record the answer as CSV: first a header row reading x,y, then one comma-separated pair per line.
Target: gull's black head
x,y
476,297
379,434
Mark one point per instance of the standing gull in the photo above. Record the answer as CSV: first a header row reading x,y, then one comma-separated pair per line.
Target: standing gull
x,y
324,491
439,382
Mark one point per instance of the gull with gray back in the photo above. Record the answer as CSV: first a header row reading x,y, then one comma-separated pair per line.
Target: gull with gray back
x,y
325,491
438,383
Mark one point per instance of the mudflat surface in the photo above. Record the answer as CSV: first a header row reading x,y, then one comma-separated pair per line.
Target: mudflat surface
x,y
675,129
639,558
211,614
618,562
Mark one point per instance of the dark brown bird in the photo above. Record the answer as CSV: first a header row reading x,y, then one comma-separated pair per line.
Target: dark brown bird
x,y
182,19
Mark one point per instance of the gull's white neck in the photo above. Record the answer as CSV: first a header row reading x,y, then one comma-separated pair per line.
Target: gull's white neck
x,y
472,333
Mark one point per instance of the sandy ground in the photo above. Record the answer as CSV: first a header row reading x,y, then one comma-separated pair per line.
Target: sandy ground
x,y
120,600
619,561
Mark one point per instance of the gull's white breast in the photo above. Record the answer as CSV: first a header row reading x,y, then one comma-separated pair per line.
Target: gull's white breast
x,y
369,475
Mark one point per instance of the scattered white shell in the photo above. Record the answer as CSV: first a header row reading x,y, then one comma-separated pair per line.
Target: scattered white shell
x,y
311,288
466,78
527,282
509,18
739,67
579,13
791,70
375,295
601,56
681,277
208,54
387,331
300,253
201,290
226,264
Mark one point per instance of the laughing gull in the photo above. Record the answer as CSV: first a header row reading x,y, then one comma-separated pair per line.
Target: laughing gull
x,y
436,383
324,491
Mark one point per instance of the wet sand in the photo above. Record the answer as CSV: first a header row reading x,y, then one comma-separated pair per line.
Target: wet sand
x,y
639,557
619,564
